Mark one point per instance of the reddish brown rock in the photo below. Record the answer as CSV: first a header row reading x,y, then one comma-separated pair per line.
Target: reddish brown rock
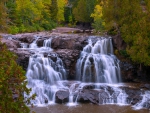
x,y
10,43
27,38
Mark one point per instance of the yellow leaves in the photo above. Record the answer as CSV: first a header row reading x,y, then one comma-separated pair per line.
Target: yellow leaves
x,y
60,14
97,15
97,12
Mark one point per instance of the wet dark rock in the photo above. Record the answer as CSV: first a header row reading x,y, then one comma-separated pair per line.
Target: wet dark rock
x,y
115,94
136,99
27,38
88,95
134,95
62,96
40,42
147,104
23,58
128,71
46,100
89,86
69,58
53,57
147,86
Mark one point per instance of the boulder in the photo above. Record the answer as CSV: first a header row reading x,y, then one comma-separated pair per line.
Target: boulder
x,y
134,95
88,95
69,42
11,44
27,38
23,57
62,96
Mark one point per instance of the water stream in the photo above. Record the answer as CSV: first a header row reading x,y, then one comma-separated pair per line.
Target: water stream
x,y
97,66
97,62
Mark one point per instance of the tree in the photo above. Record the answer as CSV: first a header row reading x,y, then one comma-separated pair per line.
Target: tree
x,y
12,77
11,11
3,15
87,7
12,84
98,21
30,15
54,9
132,23
61,6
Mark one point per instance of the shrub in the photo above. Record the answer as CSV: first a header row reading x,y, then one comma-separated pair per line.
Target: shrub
x,y
12,84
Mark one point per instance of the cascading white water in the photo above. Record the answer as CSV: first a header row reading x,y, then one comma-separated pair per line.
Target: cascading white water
x,y
144,102
47,43
97,62
44,73
33,44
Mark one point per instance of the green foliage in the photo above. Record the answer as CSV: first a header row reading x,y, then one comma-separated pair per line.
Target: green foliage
x,y
12,84
13,30
11,11
54,10
67,13
87,7
31,15
98,21
131,19
12,76
61,7
124,53
3,15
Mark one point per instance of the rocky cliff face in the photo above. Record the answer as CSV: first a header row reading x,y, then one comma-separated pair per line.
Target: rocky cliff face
x,y
68,47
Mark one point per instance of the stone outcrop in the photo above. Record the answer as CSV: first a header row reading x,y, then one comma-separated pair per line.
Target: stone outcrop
x,y
11,43
102,95
23,58
128,71
62,96
27,38
73,42
88,95
67,47
118,42
69,57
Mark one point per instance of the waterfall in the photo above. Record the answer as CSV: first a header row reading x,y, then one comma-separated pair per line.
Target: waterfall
x,y
44,73
97,72
33,44
97,63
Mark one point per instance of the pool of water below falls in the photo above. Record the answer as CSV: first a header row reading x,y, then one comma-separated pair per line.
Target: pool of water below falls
x,y
87,108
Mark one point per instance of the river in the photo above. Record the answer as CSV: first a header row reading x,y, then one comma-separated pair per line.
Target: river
x,y
87,108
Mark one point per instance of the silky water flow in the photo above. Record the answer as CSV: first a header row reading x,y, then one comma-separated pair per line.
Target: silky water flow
x,y
97,65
